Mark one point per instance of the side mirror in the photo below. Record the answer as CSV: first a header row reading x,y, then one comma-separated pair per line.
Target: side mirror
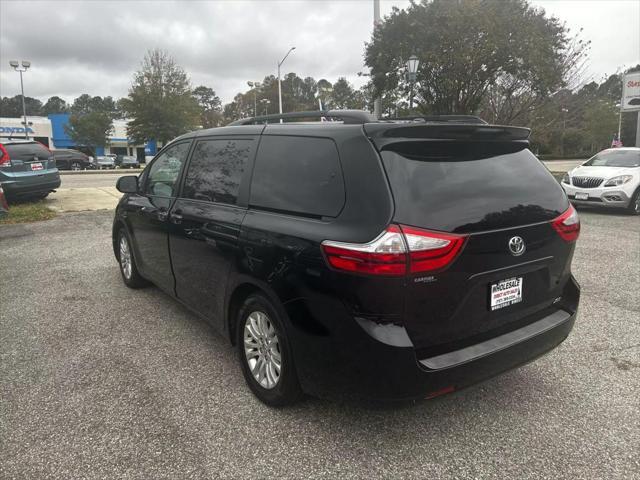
x,y
127,184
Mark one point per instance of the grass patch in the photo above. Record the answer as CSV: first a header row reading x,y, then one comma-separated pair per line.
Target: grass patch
x,y
27,212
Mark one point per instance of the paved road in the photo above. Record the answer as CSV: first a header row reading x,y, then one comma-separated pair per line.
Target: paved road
x,y
91,180
98,180
99,381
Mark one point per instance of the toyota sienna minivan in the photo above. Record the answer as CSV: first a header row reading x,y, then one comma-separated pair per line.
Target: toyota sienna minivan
x,y
358,258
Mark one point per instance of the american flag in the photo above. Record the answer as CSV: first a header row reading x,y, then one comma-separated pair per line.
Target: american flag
x,y
615,143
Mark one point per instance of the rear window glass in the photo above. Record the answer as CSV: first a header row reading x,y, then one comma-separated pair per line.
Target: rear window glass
x,y
470,186
298,175
27,151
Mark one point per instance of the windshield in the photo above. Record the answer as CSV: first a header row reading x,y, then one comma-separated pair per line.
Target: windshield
x,y
615,158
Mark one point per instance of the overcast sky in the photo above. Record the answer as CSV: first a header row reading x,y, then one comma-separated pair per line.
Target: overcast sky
x,y
95,46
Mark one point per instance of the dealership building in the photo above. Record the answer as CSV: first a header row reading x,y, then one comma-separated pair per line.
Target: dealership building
x,y
51,132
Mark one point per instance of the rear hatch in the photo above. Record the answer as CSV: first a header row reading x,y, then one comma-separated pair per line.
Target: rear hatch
x,y
480,183
25,157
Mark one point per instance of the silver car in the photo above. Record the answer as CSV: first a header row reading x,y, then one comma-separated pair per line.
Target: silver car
x,y
105,162
610,178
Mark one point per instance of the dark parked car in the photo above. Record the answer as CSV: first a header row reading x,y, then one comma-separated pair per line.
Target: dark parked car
x,y
68,159
127,161
390,260
27,169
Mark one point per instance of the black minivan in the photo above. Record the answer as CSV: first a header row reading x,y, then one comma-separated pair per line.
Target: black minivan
x,y
358,258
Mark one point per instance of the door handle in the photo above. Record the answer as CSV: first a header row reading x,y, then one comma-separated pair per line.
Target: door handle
x,y
162,215
176,218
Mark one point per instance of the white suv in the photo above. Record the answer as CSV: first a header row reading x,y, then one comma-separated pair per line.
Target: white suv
x,y
610,178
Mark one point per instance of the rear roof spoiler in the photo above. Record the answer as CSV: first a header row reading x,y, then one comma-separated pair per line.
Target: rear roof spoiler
x,y
383,134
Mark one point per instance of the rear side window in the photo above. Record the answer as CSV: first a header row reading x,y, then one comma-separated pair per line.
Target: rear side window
x,y
27,152
298,175
216,169
470,186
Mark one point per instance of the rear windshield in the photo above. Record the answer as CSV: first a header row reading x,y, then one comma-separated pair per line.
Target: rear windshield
x,y
470,186
27,152
615,158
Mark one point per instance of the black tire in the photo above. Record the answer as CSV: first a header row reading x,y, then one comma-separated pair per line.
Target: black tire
x,y
130,276
634,204
287,389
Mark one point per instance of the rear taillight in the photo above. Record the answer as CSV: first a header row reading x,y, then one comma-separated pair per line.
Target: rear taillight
x,y
5,159
395,252
567,225
431,251
385,255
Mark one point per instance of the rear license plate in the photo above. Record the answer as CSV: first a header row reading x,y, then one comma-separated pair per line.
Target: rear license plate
x,y
505,293
36,166
582,196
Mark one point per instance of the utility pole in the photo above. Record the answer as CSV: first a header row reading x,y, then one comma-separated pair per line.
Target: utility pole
x,y
377,102
638,131
279,83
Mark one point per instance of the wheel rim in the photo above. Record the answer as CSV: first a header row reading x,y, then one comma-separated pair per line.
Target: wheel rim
x,y
637,205
75,166
125,257
262,349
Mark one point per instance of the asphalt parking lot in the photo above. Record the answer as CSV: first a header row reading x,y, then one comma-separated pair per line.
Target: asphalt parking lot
x,y
99,381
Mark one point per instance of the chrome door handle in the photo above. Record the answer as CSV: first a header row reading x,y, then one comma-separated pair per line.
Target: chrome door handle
x,y
176,218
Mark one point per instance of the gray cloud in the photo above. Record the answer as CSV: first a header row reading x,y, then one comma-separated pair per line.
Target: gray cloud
x,y
95,46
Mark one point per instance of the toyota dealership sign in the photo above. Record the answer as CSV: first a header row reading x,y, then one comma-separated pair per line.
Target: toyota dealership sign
x,y
631,92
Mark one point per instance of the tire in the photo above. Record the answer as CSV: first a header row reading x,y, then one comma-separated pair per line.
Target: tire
x,y
634,204
75,166
127,263
258,325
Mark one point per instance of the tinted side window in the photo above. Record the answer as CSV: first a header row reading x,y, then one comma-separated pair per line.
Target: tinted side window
x,y
165,169
298,174
215,170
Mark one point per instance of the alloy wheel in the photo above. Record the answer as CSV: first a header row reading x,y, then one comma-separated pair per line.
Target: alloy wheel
x,y
262,349
636,207
75,166
125,257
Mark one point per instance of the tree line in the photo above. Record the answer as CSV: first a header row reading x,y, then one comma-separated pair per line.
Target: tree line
x,y
503,60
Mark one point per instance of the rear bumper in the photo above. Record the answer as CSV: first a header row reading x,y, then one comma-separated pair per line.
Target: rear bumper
x,y
17,186
358,366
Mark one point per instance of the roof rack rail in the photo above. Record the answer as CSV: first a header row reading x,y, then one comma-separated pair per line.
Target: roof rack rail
x,y
357,117
467,119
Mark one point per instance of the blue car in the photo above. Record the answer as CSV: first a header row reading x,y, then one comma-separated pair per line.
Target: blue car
x,y
27,170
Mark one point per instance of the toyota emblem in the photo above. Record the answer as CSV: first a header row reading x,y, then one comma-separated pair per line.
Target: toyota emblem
x,y
516,246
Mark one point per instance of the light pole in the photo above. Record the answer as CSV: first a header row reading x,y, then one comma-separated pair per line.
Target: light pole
x,y
254,86
564,126
16,66
279,83
266,102
412,73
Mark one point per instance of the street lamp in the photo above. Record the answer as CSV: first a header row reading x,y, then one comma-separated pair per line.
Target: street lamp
x,y
564,127
279,84
266,102
255,86
412,69
16,66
